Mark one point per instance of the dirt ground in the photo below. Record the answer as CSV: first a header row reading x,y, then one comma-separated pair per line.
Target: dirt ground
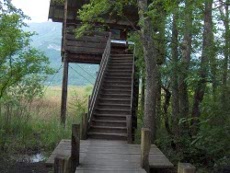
x,y
7,166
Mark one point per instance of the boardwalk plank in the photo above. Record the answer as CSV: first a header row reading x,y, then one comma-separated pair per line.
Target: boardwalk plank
x,y
110,156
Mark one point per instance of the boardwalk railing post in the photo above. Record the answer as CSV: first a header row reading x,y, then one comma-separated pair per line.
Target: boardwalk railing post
x,y
61,164
84,126
145,148
75,147
186,168
129,128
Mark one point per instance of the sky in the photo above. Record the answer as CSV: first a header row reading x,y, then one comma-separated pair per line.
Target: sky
x,y
37,9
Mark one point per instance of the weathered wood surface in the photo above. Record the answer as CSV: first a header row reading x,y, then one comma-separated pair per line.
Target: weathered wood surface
x,y
145,148
75,147
64,90
84,58
84,50
93,39
62,164
110,156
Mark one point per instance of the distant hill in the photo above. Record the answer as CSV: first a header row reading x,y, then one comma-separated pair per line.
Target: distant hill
x,y
48,40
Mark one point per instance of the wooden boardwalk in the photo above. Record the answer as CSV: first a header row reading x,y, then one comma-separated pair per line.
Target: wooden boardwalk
x,y
103,156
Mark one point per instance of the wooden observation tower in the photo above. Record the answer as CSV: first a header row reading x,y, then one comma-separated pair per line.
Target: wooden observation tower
x,y
114,100
113,104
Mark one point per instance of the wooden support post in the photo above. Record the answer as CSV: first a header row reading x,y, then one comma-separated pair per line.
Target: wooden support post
x,y
84,126
129,128
89,101
75,147
145,148
64,91
61,164
186,168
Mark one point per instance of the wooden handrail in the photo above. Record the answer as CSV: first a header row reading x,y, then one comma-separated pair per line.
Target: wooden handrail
x,y
100,76
130,119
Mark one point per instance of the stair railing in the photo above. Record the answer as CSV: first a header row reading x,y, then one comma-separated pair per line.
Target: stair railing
x,y
98,84
129,119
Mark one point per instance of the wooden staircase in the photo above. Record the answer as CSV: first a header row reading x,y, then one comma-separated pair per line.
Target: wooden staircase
x,y
114,101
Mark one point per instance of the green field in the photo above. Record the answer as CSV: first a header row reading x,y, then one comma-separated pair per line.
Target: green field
x,y
37,127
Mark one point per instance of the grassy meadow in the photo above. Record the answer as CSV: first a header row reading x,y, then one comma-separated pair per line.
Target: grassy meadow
x,y
35,126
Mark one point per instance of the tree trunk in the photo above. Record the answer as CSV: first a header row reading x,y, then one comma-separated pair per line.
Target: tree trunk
x,y
150,56
206,48
143,81
175,89
167,121
158,102
225,18
186,57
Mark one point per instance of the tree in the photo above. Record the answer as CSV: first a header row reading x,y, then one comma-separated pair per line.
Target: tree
x,y
19,62
150,57
224,16
206,52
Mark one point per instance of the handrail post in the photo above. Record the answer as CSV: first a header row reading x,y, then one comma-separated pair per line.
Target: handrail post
x,y
61,164
145,148
75,147
186,168
129,128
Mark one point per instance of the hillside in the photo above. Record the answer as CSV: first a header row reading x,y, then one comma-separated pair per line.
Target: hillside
x,y
48,40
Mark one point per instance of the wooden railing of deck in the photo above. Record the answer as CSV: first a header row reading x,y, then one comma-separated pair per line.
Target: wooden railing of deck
x,y
100,76
132,105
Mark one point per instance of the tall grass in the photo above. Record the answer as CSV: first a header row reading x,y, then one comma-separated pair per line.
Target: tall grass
x,y
38,126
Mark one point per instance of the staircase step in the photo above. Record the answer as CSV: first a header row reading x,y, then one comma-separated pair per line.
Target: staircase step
x,y
127,68
109,123
119,50
108,136
120,111
121,55
118,77
128,75
113,106
118,74
110,117
118,80
106,129
115,91
122,58
119,71
117,83
115,100
117,96
118,86
124,63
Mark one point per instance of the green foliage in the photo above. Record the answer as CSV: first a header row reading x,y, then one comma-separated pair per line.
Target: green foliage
x,y
98,11
35,126
18,61
23,70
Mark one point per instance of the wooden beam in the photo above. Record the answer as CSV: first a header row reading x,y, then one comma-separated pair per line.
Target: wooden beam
x,y
85,44
94,39
85,58
84,50
75,147
64,90
145,148
186,168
